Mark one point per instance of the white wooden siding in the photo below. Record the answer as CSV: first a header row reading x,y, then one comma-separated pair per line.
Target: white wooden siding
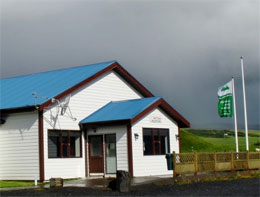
x,y
90,98
64,167
19,148
121,143
152,164
83,102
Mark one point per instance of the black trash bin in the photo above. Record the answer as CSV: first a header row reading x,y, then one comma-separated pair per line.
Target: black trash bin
x,y
168,157
123,181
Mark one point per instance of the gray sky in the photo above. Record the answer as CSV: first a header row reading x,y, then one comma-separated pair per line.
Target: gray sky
x,y
180,50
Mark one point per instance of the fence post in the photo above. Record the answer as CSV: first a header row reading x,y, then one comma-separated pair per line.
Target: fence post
x,y
215,162
195,163
174,163
247,159
232,161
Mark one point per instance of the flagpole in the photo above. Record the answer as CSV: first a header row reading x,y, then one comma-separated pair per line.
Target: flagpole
x,y
235,113
245,109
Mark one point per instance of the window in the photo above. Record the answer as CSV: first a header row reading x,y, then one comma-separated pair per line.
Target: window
x,y
64,143
156,141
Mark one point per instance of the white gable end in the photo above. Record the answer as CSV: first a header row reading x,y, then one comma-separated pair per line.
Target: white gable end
x,y
89,98
83,102
147,165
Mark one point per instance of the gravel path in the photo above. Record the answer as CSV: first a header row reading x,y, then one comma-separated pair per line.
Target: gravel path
x,y
241,187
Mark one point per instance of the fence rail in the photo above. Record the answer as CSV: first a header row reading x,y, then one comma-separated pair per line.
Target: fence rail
x,y
185,163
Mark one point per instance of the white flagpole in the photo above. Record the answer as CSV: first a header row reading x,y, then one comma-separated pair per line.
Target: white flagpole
x,y
235,113
245,110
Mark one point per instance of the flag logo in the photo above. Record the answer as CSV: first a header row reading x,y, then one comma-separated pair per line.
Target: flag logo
x,y
225,100
224,89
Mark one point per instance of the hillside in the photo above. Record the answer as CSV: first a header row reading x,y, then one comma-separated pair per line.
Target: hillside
x,y
202,140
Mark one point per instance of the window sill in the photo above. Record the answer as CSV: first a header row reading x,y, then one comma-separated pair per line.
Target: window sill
x,y
64,157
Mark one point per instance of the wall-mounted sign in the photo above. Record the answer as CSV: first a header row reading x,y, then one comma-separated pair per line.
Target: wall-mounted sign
x,y
155,119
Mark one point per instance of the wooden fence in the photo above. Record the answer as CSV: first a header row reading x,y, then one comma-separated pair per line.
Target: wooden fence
x,y
186,163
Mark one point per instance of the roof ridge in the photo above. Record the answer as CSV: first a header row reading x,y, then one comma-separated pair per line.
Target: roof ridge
x,y
108,62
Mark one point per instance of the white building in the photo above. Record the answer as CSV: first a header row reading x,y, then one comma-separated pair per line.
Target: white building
x,y
84,121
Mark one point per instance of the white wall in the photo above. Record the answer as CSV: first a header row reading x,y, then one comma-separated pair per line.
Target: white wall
x,y
86,100
19,149
83,102
152,164
121,143
63,167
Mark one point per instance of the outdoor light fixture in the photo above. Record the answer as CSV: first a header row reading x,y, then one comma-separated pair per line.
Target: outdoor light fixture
x,y
177,136
136,136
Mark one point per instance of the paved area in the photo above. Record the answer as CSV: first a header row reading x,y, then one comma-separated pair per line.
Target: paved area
x,y
241,187
104,182
95,182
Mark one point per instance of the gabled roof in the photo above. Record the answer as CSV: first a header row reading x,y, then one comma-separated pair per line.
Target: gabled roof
x,y
16,92
130,111
120,110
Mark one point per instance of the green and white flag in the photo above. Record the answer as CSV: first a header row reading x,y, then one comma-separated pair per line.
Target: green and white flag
x,y
225,100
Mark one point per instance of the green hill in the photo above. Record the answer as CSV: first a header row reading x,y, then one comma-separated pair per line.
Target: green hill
x,y
202,140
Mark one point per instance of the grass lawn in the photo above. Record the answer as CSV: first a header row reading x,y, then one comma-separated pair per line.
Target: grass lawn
x,y
4,184
228,143
214,140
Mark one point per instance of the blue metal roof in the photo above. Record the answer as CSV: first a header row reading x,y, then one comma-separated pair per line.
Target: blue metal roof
x,y
120,110
17,92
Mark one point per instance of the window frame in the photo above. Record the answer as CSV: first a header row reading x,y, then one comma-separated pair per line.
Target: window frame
x,y
157,141
61,144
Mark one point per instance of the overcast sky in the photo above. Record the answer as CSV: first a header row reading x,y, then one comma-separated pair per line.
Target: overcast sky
x,y
180,50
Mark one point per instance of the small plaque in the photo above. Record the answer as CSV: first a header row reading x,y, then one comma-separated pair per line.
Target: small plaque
x,y
156,119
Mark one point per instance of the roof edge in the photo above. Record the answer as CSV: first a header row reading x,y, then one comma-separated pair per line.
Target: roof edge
x,y
104,123
83,121
108,62
80,122
114,66
181,121
18,109
132,81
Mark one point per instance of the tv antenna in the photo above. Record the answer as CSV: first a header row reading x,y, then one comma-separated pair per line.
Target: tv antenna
x,y
35,97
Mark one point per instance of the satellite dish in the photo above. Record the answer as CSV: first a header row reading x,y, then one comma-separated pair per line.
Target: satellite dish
x,y
64,105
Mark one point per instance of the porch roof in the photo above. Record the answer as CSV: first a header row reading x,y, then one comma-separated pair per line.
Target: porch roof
x,y
120,110
131,111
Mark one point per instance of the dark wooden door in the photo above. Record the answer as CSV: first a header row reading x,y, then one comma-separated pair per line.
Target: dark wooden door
x,y
96,156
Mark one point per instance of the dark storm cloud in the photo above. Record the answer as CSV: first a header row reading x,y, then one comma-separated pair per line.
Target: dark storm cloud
x,y
181,50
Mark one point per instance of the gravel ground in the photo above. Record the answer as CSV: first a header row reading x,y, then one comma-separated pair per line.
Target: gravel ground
x,y
240,187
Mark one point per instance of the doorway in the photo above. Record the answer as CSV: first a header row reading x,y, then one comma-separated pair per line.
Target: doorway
x,y
102,153
96,155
